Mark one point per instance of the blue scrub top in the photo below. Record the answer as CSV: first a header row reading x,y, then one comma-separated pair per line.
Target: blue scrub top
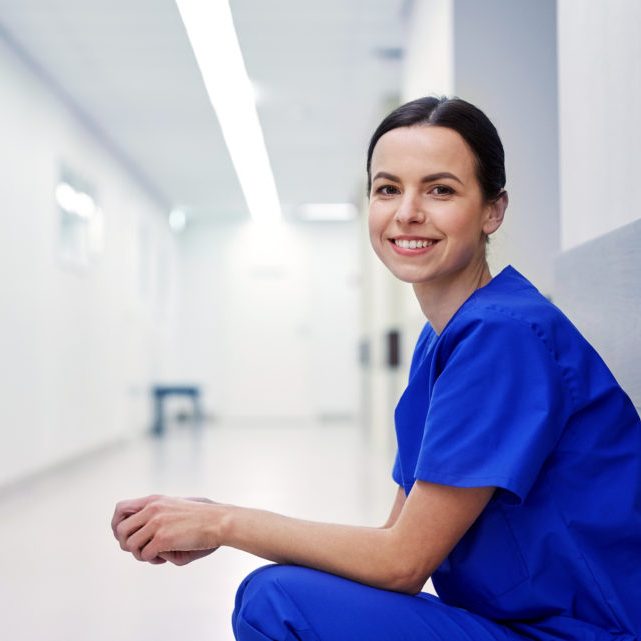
x,y
511,395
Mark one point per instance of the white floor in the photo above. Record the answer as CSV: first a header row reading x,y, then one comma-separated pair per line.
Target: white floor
x,y
64,578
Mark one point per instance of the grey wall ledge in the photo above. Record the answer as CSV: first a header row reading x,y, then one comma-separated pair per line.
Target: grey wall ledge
x,y
598,286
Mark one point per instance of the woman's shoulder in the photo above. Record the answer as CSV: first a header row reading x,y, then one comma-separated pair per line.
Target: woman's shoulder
x,y
511,319
510,305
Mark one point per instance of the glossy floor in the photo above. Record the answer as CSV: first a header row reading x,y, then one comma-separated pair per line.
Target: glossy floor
x,y
64,578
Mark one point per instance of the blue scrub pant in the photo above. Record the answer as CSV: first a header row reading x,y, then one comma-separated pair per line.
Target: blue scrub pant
x,y
287,603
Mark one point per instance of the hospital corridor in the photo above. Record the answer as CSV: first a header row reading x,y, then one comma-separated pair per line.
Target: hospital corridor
x,y
201,297
64,576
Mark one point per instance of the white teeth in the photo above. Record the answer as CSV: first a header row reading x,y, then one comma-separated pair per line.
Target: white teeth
x,y
413,244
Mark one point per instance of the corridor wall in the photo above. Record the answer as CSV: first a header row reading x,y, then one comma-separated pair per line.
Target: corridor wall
x,y
598,272
79,345
267,320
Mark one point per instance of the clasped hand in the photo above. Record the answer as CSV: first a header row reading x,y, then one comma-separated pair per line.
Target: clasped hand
x,y
157,528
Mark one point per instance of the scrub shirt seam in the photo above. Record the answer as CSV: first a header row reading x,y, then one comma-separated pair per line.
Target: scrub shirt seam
x,y
472,299
542,336
506,482
486,477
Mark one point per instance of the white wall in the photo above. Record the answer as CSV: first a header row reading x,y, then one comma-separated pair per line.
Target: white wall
x,y
79,348
599,104
429,56
600,134
268,319
505,63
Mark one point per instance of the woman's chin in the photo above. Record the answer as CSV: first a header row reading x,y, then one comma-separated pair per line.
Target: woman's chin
x,y
411,276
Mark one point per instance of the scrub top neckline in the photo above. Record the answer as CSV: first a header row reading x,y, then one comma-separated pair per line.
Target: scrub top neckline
x,y
507,271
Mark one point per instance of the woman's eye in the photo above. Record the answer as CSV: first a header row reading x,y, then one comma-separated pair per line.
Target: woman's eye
x,y
387,190
442,190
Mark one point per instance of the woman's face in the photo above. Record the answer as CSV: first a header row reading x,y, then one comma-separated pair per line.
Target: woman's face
x,y
427,215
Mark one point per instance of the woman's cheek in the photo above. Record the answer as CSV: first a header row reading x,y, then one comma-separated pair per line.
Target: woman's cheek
x,y
457,224
376,222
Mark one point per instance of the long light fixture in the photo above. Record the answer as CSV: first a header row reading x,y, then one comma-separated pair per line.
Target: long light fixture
x,y
212,35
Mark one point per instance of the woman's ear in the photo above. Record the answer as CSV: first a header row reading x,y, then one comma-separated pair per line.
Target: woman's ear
x,y
495,213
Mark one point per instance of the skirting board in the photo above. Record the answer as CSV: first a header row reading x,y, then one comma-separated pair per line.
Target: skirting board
x,y
598,286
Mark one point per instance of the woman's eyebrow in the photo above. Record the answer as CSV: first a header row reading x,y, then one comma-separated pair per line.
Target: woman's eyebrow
x,y
439,176
425,179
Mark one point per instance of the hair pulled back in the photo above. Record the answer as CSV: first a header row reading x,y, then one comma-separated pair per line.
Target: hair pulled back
x,y
464,118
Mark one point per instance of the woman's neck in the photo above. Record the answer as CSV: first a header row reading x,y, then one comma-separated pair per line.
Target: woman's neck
x,y
441,299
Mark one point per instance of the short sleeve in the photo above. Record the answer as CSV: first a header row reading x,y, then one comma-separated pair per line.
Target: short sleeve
x,y
397,475
426,335
496,411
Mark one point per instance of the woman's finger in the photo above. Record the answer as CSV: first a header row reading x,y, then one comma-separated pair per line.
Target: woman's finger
x,y
138,540
124,509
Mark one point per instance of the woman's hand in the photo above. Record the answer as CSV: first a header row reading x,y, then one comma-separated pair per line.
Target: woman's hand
x,y
182,558
160,528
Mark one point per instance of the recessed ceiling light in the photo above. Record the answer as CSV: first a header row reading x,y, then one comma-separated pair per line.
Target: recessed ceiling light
x,y
177,220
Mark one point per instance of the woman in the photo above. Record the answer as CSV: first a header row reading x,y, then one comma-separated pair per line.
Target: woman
x,y
519,456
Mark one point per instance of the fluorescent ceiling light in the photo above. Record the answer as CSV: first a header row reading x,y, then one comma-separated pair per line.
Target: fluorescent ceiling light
x,y
210,28
327,212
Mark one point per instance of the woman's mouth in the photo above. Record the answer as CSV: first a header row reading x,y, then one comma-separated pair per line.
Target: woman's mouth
x,y
412,246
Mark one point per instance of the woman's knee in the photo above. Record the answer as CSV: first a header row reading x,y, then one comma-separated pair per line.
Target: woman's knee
x,y
264,607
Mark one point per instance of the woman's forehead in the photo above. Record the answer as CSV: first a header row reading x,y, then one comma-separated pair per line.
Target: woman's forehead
x,y
423,147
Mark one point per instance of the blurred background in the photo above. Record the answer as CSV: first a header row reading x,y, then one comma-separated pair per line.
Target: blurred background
x,y
189,301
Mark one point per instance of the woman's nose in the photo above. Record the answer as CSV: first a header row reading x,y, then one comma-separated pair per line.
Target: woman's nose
x,y
410,209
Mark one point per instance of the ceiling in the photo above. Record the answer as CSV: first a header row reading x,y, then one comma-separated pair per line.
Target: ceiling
x,y
325,73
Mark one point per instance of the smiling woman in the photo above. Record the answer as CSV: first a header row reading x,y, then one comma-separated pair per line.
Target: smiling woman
x,y
429,216
519,455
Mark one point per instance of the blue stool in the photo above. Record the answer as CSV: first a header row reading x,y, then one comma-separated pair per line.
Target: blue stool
x,y
160,392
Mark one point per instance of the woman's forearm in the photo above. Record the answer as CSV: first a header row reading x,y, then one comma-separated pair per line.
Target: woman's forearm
x,y
422,530
368,555
157,528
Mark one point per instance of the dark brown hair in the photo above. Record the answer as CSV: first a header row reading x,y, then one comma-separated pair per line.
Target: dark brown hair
x,y
464,118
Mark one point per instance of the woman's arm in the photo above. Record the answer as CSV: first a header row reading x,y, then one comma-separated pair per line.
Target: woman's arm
x,y
399,557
